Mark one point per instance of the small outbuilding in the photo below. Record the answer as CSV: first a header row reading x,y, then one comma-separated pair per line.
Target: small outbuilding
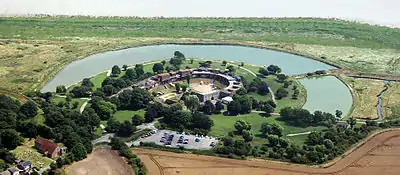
x,y
227,100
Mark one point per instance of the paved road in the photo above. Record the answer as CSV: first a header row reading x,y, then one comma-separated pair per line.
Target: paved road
x,y
103,139
83,106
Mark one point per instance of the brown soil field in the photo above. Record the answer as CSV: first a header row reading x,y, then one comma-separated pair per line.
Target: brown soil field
x,y
102,161
380,154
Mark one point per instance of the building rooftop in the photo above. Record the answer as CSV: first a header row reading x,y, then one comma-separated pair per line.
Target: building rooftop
x,y
46,145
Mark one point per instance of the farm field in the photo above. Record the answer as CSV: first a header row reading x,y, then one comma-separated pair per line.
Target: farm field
x,y
374,157
102,161
391,100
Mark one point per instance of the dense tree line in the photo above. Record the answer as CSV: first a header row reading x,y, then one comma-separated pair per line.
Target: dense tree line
x,y
303,118
241,104
84,90
133,160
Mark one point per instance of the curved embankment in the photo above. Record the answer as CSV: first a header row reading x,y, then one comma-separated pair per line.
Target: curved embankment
x,y
378,155
380,100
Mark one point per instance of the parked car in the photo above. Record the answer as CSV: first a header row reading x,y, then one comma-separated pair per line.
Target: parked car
x,y
168,143
197,140
213,144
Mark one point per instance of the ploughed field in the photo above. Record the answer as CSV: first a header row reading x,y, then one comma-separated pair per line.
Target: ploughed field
x,y
102,161
378,155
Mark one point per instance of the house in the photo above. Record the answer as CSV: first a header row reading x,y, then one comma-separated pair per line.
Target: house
x,y
25,166
47,147
11,171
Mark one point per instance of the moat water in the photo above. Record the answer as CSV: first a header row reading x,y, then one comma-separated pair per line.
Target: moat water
x,y
335,98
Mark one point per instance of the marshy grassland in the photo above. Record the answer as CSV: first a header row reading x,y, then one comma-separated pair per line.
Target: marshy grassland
x,y
33,50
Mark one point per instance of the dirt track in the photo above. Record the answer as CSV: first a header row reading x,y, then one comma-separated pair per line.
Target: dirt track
x,y
102,161
379,155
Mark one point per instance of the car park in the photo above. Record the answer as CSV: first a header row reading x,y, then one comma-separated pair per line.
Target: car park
x,y
189,141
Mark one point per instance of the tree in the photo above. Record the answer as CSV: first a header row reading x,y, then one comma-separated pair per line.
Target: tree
x,y
158,68
126,129
8,119
241,64
231,68
273,128
219,106
188,77
281,77
81,91
115,71
209,107
234,107
61,89
315,138
241,126
178,54
10,138
137,119
139,69
184,87
224,63
109,90
29,109
78,152
125,67
273,69
130,74
241,91
352,122
267,108
103,108
191,61
281,93
163,62
177,87
338,114
263,71
247,136
7,102
273,140
192,102
86,82
176,61
201,121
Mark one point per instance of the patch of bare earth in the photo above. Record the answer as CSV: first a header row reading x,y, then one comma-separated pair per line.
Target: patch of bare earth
x,y
378,155
102,161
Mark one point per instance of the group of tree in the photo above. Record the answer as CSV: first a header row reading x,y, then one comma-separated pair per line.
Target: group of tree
x,y
178,59
125,151
241,104
15,117
211,108
134,99
84,90
243,128
270,70
259,86
124,129
303,117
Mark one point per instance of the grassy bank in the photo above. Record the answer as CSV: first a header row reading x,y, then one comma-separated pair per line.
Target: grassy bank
x,y
224,124
291,30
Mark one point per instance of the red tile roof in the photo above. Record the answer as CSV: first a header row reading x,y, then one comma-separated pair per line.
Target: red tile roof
x,y
46,145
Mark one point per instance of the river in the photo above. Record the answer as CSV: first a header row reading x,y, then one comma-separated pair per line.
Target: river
x,y
336,95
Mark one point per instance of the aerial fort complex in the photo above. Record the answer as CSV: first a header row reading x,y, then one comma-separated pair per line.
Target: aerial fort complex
x,y
206,83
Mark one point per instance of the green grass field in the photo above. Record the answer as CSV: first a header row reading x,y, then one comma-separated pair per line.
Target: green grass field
x,y
57,100
28,152
224,124
123,115
292,30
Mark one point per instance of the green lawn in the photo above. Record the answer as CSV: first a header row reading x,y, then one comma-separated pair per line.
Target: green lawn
x,y
27,152
224,124
123,115
57,100
98,79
